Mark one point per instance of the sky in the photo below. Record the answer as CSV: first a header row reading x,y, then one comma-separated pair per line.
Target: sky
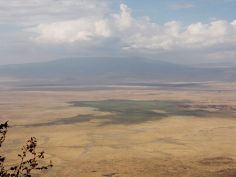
x,y
181,31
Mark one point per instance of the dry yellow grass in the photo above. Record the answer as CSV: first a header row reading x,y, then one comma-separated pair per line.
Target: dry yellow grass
x,y
175,146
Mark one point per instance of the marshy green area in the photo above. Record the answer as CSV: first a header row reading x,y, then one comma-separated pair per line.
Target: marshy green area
x,y
135,111
138,111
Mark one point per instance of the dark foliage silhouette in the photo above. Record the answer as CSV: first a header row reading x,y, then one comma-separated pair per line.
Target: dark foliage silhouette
x,y
29,159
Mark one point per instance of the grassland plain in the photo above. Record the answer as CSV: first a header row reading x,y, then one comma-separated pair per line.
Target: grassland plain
x,y
188,132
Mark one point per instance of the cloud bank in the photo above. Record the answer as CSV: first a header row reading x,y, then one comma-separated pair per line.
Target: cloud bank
x,y
137,32
33,12
41,30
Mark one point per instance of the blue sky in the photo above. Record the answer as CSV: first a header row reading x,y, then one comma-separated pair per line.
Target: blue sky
x,y
185,11
185,31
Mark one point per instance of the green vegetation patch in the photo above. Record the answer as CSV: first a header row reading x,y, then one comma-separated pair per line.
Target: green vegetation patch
x,y
135,111
138,111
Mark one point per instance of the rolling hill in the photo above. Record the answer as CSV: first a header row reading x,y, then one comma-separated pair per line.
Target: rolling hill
x,y
113,70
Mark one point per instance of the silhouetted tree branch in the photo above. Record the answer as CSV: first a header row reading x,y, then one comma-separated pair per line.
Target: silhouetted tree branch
x,y
29,158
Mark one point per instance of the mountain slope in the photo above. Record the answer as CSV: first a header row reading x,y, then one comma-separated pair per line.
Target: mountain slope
x,y
114,70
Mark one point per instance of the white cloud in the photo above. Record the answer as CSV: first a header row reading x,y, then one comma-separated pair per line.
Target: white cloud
x,y
138,33
84,29
31,12
183,5
124,19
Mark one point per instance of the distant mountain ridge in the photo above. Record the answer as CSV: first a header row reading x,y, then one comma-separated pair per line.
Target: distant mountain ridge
x,y
114,70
